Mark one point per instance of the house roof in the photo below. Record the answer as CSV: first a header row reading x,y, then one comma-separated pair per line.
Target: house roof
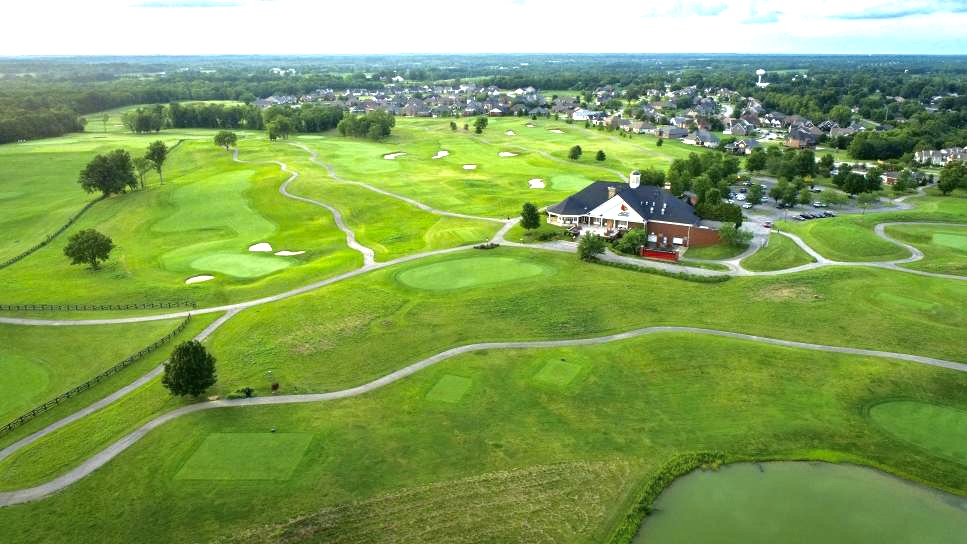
x,y
650,202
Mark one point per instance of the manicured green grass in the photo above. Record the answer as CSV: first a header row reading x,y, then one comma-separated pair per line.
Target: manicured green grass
x,y
469,272
642,401
940,430
715,252
558,373
450,388
246,456
202,221
39,363
944,247
846,238
781,253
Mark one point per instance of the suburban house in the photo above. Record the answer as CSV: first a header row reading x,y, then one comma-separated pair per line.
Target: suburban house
x,y
801,138
742,147
581,114
671,132
940,157
702,138
606,206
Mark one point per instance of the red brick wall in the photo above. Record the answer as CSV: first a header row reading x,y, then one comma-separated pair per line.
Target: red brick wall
x,y
695,236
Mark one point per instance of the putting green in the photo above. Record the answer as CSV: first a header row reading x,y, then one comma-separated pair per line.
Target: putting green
x,y
240,265
953,241
568,182
246,456
558,373
941,430
469,272
23,382
450,389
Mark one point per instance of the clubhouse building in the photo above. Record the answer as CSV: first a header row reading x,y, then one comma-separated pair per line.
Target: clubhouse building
x,y
608,207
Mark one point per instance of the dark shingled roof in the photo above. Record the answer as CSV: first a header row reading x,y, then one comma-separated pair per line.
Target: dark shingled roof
x,y
643,200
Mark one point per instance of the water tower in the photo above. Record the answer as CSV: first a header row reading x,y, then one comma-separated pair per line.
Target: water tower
x,y
761,84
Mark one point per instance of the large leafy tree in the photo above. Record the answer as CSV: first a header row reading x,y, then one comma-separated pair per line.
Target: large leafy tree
x,y
529,218
590,246
88,247
190,371
157,153
953,176
110,174
226,139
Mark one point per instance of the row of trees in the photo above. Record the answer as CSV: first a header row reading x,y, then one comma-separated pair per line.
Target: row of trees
x,y
374,125
114,172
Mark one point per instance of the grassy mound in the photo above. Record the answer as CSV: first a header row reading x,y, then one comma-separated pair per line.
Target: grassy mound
x,y
780,254
469,273
941,430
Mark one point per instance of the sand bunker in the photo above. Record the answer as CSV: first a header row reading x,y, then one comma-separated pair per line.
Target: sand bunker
x,y
198,279
511,133
556,131
440,154
287,253
392,156
262,247
536,183
530,125
470,167
506,154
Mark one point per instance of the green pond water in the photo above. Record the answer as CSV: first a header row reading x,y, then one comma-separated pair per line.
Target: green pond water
x,y
796,503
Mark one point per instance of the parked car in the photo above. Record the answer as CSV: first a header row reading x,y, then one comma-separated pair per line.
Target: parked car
x,y
764,186
818,204
817,189
828,213
743,190
747,205
767,224
740,197
799,218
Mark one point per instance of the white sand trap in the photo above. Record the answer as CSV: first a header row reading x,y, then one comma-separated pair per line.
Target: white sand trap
x,y
530,125
470,167
506,154
511,133
198,279
556,131
440,154
392,156
287,253
261,247
536,183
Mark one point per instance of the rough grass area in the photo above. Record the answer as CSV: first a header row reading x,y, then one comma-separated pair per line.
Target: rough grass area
x,y
545,232
781,253
564,503
745,399
941,430
246,456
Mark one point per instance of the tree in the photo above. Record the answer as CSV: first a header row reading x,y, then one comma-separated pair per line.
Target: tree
x,y
600,156
865,200
157,153
479,124
88,247
953,176
142,166
826,164
590,246
754,195
632,241
226,139
659,142
190,371
805,197
281,127
833,198
110,174
575,153
841,114
453,125
734,236
104,119
529,218
756,161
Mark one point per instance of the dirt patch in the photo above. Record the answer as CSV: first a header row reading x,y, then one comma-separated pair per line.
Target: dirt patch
x,y
788,291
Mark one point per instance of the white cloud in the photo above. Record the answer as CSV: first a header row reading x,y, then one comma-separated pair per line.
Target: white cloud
x,y
179,27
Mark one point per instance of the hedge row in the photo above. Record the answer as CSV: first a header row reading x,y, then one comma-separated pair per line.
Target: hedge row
x,y
678,466
95,380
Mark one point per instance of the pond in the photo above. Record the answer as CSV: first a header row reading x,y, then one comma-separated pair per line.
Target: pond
x,y
802,503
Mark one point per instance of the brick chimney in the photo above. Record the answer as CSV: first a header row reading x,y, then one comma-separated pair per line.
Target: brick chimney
x,y
612,190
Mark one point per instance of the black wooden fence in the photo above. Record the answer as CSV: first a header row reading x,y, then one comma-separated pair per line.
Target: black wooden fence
x,y
50,237
95,307
95,380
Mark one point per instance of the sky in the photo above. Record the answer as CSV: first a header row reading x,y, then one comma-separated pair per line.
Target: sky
x,y
208,27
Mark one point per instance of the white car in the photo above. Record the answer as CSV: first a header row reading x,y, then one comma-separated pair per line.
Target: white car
x,y
740,197
747,206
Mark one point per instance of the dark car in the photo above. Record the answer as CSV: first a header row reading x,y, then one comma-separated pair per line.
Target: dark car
x,y
829,214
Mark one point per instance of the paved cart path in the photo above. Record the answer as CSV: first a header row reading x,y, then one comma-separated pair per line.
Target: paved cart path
x,y
107,454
